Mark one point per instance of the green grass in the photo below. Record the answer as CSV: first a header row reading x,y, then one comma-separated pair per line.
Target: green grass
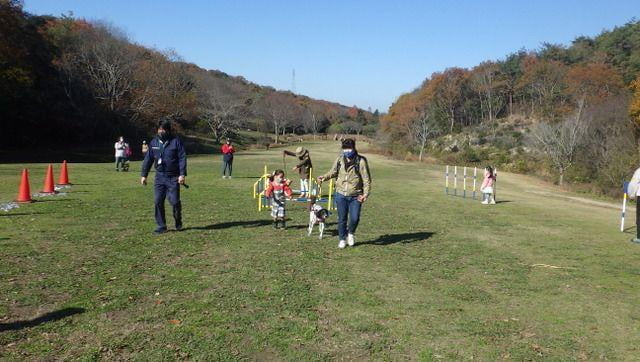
x,y
433,276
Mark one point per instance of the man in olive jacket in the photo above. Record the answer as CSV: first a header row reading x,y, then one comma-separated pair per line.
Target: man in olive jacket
x,y
353,184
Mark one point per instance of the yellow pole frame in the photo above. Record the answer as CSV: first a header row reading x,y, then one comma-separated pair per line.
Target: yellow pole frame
x,y
330,198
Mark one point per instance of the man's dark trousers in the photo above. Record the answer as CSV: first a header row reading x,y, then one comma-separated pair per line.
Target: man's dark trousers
x,y
167,187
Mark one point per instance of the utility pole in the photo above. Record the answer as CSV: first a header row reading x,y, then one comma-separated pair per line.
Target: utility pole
x,y
293,81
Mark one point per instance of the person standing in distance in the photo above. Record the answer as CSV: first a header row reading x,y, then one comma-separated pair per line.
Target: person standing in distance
x,y
119,146
167,154
353,184
227,158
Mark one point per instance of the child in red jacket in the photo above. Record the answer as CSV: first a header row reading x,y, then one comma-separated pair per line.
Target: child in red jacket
x,y
278,191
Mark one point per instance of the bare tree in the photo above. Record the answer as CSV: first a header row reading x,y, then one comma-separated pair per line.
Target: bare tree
x,y
485,82
560,142
221,116
106,60
422,129
352,127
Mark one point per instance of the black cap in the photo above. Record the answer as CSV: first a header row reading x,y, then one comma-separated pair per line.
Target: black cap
x,y
165,124
349,143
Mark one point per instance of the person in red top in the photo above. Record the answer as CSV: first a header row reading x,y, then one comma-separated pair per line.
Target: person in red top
x,y
278,191
227,158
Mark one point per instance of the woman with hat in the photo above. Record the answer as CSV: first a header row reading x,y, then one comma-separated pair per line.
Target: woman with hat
x,y
303,167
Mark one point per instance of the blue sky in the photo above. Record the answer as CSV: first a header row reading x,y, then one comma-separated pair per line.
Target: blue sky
x,y
363,53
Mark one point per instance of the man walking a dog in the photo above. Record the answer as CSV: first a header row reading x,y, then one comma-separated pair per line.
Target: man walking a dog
x,y
353,184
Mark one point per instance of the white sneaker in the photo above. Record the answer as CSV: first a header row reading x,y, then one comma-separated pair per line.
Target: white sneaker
x,y
342,244
485,202
493,202
351,239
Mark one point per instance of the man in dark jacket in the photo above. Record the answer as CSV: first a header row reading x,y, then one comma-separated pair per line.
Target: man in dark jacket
x,y
168,156
303,167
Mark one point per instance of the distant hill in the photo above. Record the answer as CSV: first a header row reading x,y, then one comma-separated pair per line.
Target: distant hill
x,y
571,112
68,81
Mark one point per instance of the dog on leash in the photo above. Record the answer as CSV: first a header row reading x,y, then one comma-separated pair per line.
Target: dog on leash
x,y
317,216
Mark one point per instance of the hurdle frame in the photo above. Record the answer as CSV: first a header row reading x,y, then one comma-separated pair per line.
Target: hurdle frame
x,y
466,174
260,185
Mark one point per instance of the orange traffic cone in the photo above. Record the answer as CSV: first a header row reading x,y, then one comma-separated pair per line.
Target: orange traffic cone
x,y
24,192
48,181
64,175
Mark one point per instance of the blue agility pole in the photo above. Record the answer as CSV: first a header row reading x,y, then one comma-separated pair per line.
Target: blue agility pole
x,y
464,182
446,180
475,173
455,180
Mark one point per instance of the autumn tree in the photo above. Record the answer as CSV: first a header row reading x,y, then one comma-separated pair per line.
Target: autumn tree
x,y
445,91
486,81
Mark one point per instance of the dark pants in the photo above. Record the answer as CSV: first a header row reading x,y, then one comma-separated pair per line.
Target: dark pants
x,y
637,217
120,162
167,187
227,164
348,207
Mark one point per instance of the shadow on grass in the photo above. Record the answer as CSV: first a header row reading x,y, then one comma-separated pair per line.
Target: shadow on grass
x,y
48,317
232,224
305,226
251,177
503,201
54,200
405,238
22,214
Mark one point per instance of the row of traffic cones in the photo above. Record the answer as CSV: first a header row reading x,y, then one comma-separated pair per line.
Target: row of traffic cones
x,y
24,191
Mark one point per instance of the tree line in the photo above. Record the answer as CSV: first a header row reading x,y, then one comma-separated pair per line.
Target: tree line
x,y
580,104
68,81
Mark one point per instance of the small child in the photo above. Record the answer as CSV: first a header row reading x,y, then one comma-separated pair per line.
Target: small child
x,y
278,191
487,186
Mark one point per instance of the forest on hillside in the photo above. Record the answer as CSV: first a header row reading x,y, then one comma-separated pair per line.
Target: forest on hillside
x,y
66,81
571,113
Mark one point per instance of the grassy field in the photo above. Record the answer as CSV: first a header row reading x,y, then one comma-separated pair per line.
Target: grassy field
x,y
431,277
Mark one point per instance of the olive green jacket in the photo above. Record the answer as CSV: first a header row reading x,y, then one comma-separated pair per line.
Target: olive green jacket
x,y
351,180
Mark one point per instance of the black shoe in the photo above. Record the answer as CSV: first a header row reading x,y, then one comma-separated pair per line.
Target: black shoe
x,y
178,227
160,231
283,225
276,224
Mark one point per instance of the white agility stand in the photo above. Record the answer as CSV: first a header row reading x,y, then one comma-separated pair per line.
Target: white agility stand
x,y
625,196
